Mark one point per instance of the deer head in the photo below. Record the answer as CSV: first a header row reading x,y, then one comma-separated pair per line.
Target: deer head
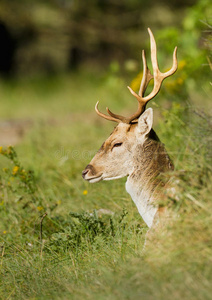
x,y
133,148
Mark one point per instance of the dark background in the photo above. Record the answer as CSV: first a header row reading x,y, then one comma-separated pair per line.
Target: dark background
x,y
61,35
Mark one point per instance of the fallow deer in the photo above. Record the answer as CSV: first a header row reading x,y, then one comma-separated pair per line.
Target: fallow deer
x,y
133,148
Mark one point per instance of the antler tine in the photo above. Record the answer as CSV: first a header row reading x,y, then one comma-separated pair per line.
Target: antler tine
x,y
110,118
147,76
157,75
118,117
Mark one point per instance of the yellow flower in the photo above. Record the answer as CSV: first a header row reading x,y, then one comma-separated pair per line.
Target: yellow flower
x,y
85,192
1,149
39,208
4,232
15,170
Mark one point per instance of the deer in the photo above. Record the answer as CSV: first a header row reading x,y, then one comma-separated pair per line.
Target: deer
x,y
133,149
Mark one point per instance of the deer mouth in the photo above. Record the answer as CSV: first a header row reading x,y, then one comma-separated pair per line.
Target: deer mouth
x,y
91,179
89,174
94,179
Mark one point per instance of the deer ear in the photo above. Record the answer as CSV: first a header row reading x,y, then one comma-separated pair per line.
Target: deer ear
x,y
145,122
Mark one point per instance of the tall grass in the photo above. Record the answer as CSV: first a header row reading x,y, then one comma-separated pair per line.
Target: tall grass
x,y
91,242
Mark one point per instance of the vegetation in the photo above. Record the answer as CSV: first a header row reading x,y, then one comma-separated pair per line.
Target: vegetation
x,y
63,238
52,36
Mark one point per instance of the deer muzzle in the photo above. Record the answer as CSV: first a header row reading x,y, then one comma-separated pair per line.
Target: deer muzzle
x,y
90,174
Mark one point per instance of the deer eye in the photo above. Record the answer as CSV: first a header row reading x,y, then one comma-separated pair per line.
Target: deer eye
x,y
117,145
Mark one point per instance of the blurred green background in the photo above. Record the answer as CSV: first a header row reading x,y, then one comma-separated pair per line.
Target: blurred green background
x,y
53,51
48,37
57,59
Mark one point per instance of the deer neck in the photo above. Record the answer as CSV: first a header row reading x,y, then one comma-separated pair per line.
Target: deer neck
x,y
143,183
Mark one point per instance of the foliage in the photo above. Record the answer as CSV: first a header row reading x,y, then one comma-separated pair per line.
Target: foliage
x,y
53,36
90,229
25,180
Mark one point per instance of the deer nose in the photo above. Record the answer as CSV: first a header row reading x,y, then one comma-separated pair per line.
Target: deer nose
x,y
84,172
88,169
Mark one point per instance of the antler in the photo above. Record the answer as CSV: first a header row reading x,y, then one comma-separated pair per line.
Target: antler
x,y
147,76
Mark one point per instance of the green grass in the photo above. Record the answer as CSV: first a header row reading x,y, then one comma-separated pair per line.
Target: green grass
x,y
83,253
